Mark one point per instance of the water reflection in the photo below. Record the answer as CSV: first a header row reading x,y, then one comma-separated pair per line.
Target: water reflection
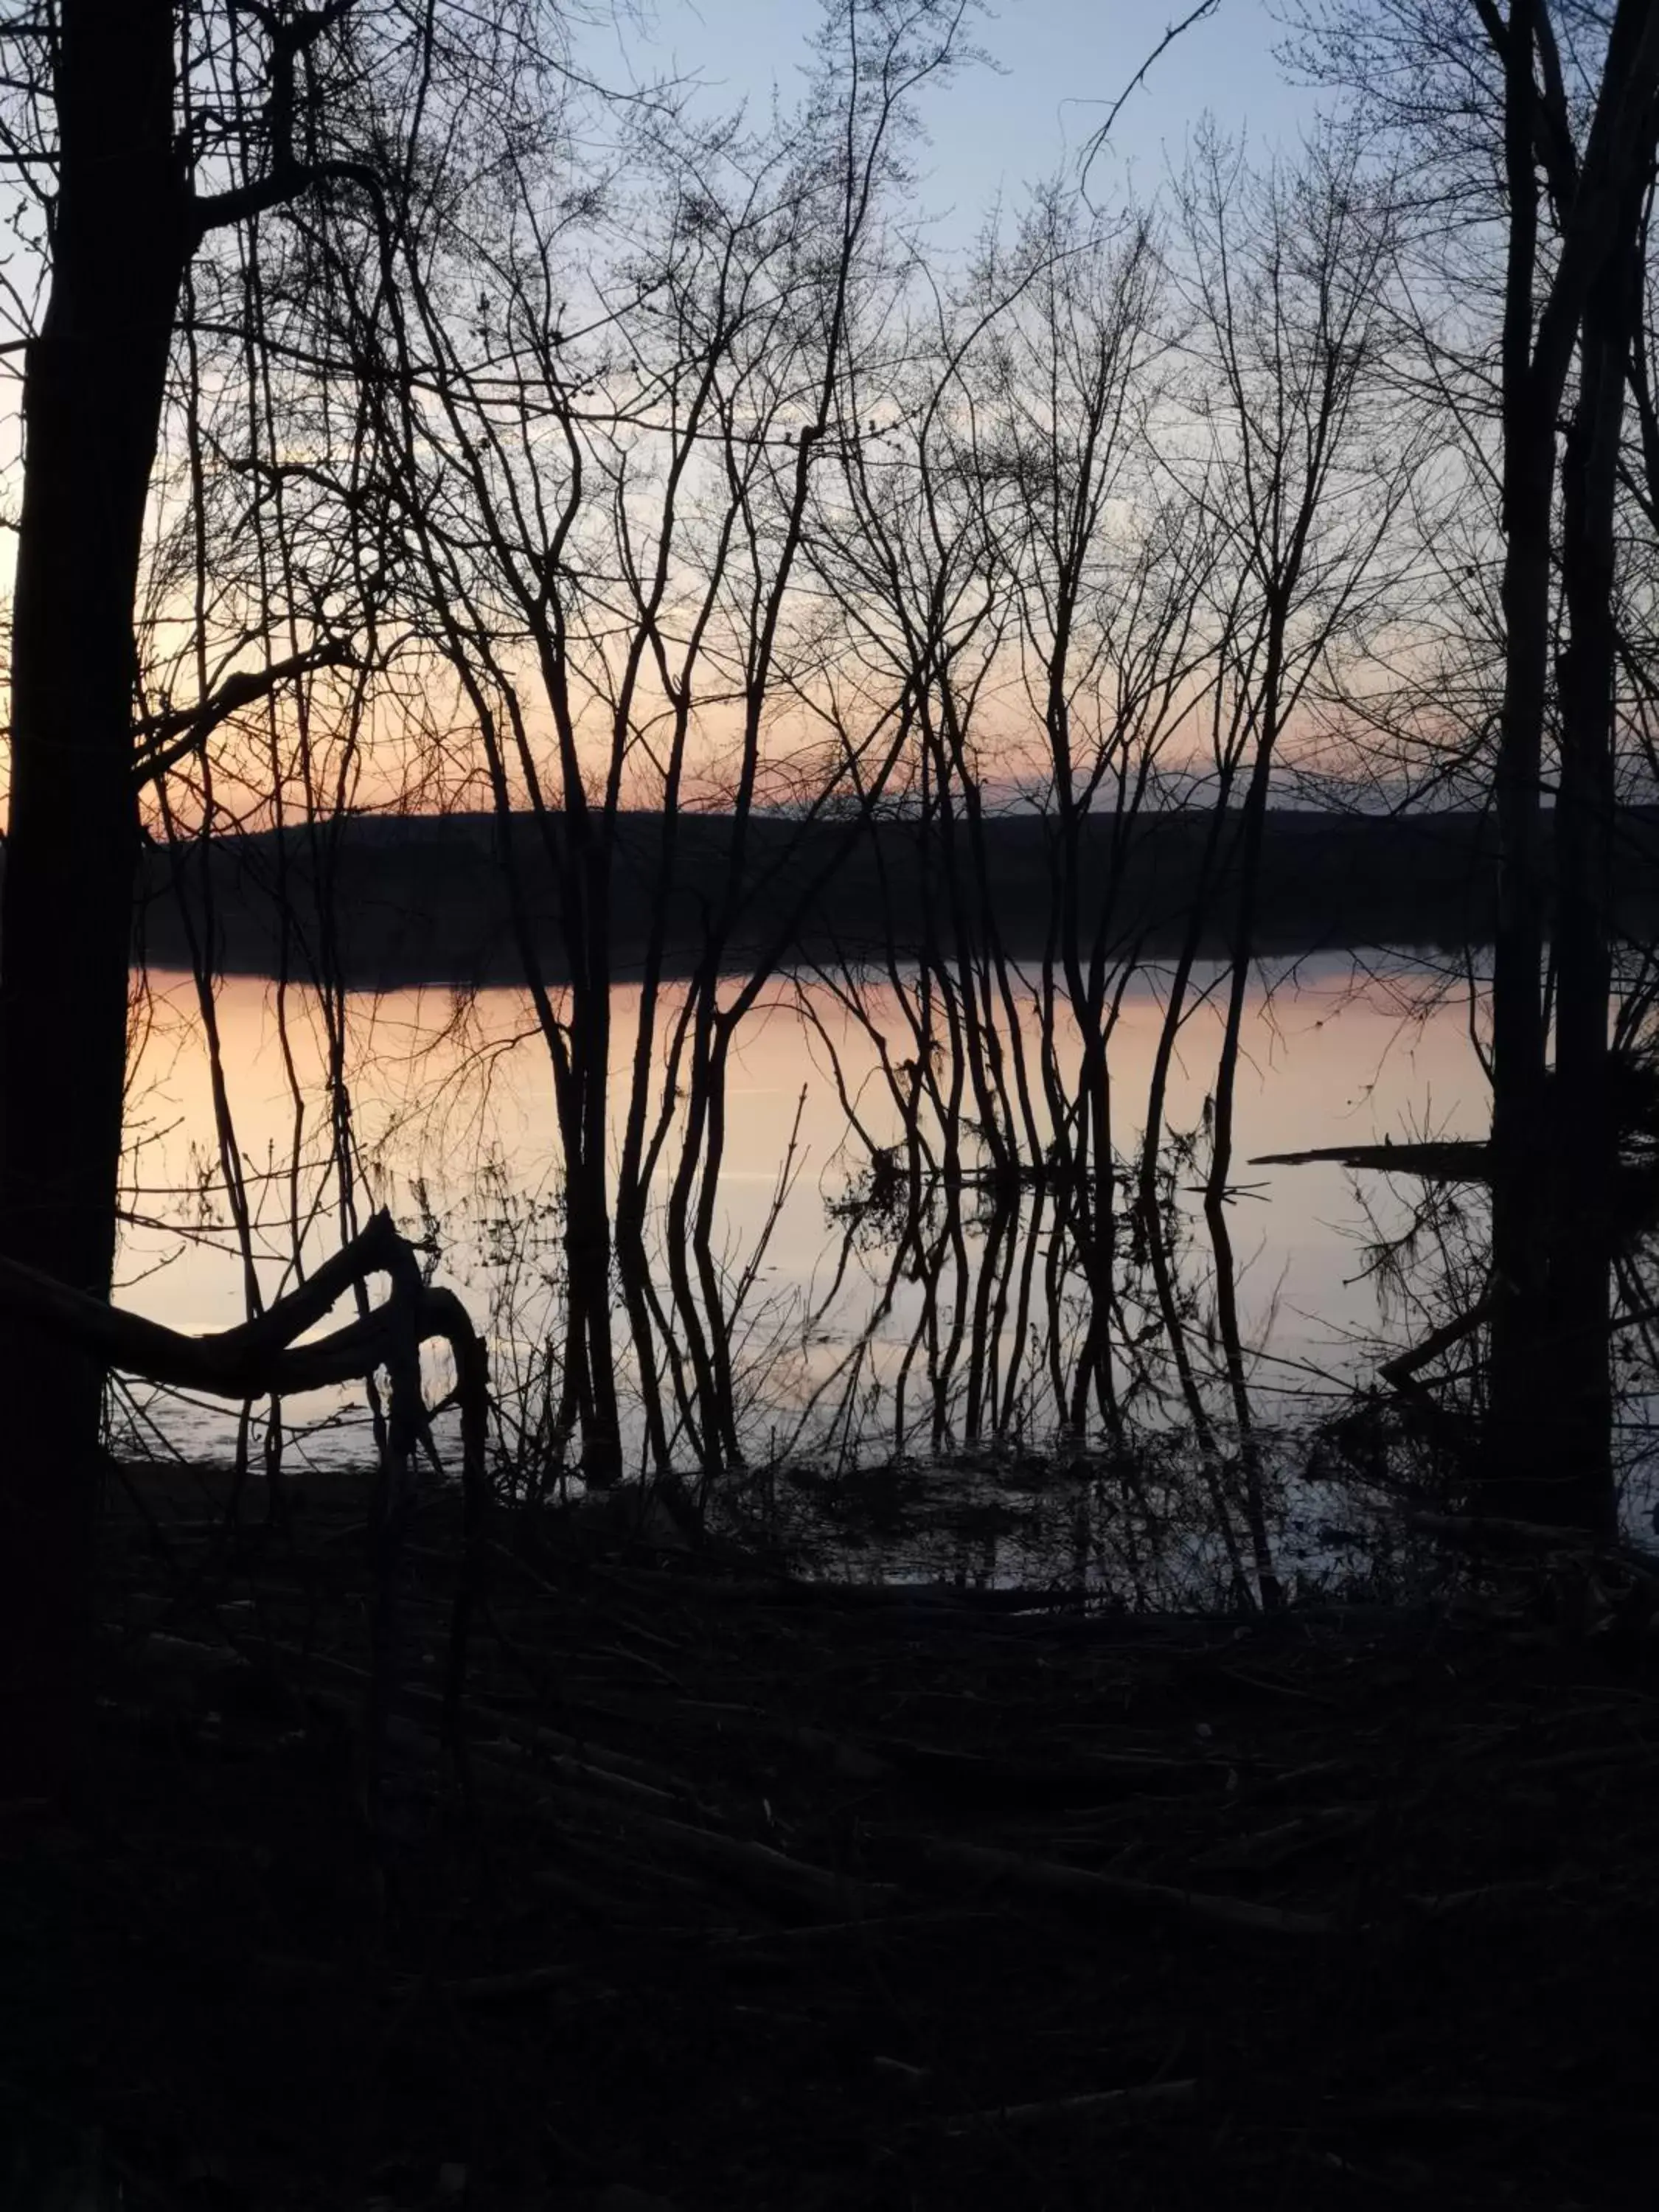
x,y
876,1281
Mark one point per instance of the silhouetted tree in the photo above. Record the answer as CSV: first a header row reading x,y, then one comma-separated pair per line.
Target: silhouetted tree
x,y
142,133
1538,124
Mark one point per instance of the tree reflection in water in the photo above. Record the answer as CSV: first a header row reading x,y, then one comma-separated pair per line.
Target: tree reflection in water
x,y
896,1345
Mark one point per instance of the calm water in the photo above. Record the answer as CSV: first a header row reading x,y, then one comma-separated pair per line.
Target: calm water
x,y
452,1114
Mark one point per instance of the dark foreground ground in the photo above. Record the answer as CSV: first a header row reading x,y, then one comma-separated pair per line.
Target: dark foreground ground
x,y
748,1895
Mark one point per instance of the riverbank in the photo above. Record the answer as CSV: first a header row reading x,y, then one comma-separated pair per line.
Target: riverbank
x,y
749,1893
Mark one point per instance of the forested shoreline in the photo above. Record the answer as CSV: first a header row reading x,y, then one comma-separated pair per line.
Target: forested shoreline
x,y
417,899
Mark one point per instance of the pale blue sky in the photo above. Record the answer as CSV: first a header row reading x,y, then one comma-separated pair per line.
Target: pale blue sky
x,y
1063,62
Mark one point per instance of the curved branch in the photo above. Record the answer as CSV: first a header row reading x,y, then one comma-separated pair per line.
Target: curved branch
x,y
260,1357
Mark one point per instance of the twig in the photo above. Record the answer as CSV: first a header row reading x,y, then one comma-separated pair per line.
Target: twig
x,y
1272,1846
585,1762
487,1988
1171,33
1093,2104
1119,1893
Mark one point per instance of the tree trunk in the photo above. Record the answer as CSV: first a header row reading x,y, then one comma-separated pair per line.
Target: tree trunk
x,y
94,384
1579,1488
1516,1373
1551,1414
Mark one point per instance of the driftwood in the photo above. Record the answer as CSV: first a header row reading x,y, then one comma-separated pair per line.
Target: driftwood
x,y
1445,1159
581,1779
1109,1893
1272,1847
572,1758
971,1779
758,1867
526,1981
1096,2105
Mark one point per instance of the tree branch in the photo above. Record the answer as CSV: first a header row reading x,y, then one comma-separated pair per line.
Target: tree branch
x,y
1172,32
214,210
168,738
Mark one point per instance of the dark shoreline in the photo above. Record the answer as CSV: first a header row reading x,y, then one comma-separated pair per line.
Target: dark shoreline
x,y
425,899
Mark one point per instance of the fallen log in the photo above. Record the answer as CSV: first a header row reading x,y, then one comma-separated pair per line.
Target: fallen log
x,y
1445,1159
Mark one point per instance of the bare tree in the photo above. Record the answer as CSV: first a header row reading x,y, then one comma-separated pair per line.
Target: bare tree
x,y
609,464
1534,129
145,137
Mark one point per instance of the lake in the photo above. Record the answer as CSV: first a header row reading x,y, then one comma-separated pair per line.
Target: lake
x,y
848,1352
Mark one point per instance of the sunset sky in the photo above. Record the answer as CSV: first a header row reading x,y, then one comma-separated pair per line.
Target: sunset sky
x,y
997,130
